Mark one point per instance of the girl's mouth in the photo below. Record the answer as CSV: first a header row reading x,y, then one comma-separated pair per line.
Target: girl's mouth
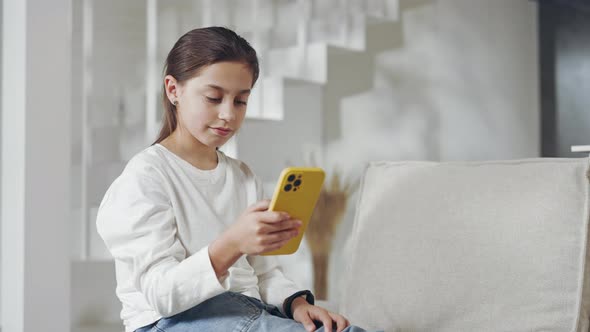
x,y
221,131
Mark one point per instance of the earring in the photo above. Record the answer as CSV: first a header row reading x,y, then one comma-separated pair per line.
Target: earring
x,y
175,103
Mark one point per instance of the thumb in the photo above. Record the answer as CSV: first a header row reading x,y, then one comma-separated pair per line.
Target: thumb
x,y
259,206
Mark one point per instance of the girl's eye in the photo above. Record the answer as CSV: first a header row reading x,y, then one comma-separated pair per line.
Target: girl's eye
x,y
241,102
214,100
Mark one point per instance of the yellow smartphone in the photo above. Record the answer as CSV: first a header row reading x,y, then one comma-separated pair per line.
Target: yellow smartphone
x,y
296,193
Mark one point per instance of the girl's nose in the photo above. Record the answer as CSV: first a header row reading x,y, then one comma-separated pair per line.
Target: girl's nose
x,y
226,112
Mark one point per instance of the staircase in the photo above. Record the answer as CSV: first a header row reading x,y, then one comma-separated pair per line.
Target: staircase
x,y
338,61
318,61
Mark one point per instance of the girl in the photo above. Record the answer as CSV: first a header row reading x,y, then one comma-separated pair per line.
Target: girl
x,y
186,224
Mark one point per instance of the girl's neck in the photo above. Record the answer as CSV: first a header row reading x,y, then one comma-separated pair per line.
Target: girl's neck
x,y
190,149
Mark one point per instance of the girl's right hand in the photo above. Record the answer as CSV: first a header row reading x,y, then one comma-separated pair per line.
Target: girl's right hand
x,y
258,230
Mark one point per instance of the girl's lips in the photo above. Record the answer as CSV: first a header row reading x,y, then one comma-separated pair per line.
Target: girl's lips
x,y
221,131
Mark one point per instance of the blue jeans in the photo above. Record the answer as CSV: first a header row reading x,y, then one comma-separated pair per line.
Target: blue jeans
x,y
231,312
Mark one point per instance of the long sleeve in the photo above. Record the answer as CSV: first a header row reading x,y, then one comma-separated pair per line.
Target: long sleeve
x,y
273,285
136,222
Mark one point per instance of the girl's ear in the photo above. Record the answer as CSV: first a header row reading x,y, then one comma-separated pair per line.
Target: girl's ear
x,y
172,88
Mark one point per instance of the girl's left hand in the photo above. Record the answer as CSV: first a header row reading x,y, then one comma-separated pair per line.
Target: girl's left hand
x,y
306,314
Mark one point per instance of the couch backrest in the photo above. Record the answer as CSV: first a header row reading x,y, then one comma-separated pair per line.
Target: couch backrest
x,y
474,246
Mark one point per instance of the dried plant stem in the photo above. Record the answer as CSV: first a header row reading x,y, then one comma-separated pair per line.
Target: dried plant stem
x,y
328,214
320,276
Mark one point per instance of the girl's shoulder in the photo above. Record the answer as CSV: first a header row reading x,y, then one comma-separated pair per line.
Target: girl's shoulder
x,y
153,163
148,163
141,177
239,165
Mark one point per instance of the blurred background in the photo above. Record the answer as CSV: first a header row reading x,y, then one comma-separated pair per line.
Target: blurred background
x,y
343,82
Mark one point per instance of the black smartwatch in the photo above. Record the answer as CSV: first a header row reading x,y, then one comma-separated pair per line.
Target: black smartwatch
x,y
289,301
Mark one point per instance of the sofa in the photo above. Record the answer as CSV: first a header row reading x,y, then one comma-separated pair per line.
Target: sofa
x,y
457,246
470,246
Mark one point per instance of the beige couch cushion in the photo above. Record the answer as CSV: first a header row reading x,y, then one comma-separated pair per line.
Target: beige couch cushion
x,y
479,246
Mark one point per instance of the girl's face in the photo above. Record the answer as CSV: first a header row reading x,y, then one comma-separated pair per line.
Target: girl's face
x,y
212,105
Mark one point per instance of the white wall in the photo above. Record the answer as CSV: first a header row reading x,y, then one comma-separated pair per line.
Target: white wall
x,y
35,165
462,86
488,65
1,27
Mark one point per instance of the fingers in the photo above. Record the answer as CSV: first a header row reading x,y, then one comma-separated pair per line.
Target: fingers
x,y
273,216
267,216
285,225
341,322
259,206
280,237
278,240
322,315
315,313
308,323
273,247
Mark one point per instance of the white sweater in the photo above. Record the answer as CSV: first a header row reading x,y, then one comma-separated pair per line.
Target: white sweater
x,y
157,219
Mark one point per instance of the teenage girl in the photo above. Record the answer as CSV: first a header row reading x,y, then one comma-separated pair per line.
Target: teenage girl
x,y
186,224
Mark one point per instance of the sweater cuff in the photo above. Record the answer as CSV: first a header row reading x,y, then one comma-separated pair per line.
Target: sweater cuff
x,y
207,284
289,301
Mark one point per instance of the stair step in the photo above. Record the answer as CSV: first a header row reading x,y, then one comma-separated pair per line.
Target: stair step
x,y
294,62
266,100
332,30
283,140
310,63
382,35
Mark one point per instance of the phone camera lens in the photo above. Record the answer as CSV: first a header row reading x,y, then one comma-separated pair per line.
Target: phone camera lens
x,y
288,187
291,178
297,183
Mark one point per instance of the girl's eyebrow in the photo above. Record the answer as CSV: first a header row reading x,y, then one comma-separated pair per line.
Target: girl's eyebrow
x,y
217,87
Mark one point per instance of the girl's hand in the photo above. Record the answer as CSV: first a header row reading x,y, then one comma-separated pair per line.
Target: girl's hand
x,y
258,230
306,314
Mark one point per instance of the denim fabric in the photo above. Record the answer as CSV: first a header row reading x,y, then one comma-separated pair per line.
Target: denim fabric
x,y
231,312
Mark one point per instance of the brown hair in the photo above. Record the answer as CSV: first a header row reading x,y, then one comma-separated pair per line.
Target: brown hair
x,y
196,49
